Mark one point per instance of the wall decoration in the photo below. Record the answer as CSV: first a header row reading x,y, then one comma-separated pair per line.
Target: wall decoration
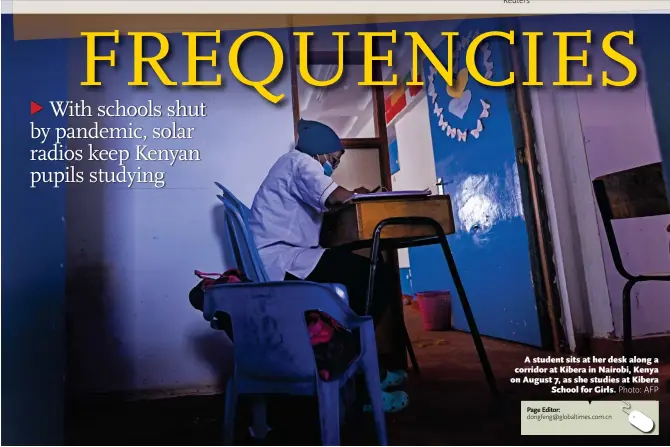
x,y
401,97
458,95
394,155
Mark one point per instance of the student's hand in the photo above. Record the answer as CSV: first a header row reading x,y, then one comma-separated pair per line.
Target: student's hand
x,y
338,197
362,190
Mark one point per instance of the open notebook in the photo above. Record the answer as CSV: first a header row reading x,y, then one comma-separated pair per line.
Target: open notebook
x,y
389,194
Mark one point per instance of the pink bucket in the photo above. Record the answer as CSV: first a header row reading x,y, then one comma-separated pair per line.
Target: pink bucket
x,y
435,310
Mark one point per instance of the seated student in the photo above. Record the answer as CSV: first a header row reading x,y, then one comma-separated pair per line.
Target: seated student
x,y
286,218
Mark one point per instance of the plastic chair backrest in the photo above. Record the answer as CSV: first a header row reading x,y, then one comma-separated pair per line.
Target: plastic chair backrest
x,y
240,238
269,328
245,212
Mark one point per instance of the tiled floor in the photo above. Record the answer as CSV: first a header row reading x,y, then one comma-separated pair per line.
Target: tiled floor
x,y
450,405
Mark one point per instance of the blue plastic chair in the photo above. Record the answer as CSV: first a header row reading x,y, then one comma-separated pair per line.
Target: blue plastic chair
x,y
241,241
273,352
239,238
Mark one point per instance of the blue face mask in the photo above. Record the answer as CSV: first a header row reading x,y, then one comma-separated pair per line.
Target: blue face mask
x,y
328,168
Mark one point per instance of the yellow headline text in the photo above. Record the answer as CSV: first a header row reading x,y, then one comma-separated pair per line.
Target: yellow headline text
x,y
419,49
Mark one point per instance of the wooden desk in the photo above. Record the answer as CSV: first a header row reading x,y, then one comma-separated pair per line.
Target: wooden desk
x,y
354,224
392,223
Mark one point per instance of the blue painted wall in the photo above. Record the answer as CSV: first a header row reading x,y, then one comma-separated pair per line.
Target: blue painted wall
x,y
491,241
33,249
406,282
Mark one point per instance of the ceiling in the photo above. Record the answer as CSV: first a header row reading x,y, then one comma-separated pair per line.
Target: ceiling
x,y
346,106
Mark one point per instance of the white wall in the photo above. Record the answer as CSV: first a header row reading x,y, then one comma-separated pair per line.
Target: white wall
x,y
358,167
132,251
415,148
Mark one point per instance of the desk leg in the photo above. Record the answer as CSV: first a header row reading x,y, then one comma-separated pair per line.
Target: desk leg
x,y
396,306
476,337
405,335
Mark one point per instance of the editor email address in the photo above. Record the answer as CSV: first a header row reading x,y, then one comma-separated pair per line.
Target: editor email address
x,y
569,417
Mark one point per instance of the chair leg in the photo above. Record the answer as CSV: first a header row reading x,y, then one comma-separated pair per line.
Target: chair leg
x,y
259,413
230,412
329,411
397,309
627,320
348,401
371,373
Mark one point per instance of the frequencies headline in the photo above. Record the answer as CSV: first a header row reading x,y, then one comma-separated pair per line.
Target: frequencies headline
x,y
419,47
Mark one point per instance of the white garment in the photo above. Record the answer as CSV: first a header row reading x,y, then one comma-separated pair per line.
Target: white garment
x,y
287,214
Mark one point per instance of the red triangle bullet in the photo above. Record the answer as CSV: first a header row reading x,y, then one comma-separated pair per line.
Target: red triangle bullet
x,y
34,107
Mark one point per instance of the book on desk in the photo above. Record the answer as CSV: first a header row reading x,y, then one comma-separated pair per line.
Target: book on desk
x,y
389,195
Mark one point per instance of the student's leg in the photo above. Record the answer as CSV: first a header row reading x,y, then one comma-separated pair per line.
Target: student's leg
x,y
352,271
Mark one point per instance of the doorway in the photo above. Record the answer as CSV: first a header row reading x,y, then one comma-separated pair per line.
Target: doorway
x,y
477,143
506,242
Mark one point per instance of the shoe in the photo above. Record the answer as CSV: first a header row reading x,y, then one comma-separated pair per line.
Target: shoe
x,y
392,402
393,379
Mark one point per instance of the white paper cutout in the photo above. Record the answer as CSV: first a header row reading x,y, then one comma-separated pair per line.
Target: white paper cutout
x,y
432,73
431,90
489,70
465,40
485,109
487,61
459,106
451,131
437,110
475,132
462,136
442,123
